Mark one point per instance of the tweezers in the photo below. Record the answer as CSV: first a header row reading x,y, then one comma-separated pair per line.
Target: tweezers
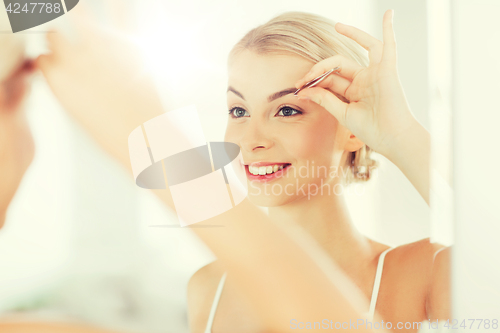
x,y
317,80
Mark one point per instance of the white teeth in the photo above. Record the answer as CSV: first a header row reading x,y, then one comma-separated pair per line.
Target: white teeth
x,y
263,170
253,170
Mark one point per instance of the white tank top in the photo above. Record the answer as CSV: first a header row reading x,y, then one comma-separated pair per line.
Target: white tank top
x,y
373,301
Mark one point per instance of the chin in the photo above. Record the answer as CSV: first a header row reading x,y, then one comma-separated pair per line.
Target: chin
x,y
269,200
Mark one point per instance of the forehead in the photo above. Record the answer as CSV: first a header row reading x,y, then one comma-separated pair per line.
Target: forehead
x,y
250,72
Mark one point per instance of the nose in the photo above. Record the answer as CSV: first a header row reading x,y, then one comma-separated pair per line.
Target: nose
x,y
256,137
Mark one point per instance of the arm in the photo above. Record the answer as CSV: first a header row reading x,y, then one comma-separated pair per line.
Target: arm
x,y
411,154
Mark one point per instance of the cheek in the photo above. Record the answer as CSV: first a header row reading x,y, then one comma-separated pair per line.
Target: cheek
x,y
232,135
313,141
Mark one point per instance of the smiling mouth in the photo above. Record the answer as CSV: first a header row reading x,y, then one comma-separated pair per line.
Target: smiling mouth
x,y
267,172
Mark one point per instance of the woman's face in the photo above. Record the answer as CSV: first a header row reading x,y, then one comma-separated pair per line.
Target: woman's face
x,y
293,146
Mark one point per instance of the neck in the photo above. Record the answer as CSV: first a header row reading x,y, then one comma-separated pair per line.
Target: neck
x,y
327,220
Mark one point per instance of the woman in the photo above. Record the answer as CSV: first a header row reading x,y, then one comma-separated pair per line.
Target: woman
x,y
305,260
316,133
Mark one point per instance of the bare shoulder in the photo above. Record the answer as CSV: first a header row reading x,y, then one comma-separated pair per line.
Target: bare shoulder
x,y
419,254
409,269
438,303
201,291
203,276
418,270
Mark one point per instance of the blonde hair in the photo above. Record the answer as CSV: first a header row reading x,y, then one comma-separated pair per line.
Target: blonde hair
x,y
314,38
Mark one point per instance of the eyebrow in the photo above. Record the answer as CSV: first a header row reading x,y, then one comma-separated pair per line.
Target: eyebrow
x,y
271,98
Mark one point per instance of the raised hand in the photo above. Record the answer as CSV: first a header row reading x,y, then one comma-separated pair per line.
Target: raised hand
x,y
100,79
16,142
378,113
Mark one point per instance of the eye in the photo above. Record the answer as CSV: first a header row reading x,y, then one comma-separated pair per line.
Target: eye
x,y
287,111
238,112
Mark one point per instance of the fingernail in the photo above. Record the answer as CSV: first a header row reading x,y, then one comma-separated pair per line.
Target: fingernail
x,y
304,98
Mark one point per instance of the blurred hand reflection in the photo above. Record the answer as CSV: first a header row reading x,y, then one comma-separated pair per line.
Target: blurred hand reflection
x,y
16,142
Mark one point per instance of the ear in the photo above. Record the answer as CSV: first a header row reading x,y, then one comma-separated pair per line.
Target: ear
x,y
353,143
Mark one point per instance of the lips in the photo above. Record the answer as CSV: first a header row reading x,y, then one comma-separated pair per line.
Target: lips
x,y
264,171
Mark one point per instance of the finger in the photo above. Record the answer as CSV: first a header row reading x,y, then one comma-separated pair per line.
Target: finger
x,y
390,51
26,67
327,100
44,63
347,68
21,74
16,86
368,42
335,84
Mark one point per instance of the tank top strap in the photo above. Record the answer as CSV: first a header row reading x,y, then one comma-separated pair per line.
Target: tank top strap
x,y
373,302
215,303
376,283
